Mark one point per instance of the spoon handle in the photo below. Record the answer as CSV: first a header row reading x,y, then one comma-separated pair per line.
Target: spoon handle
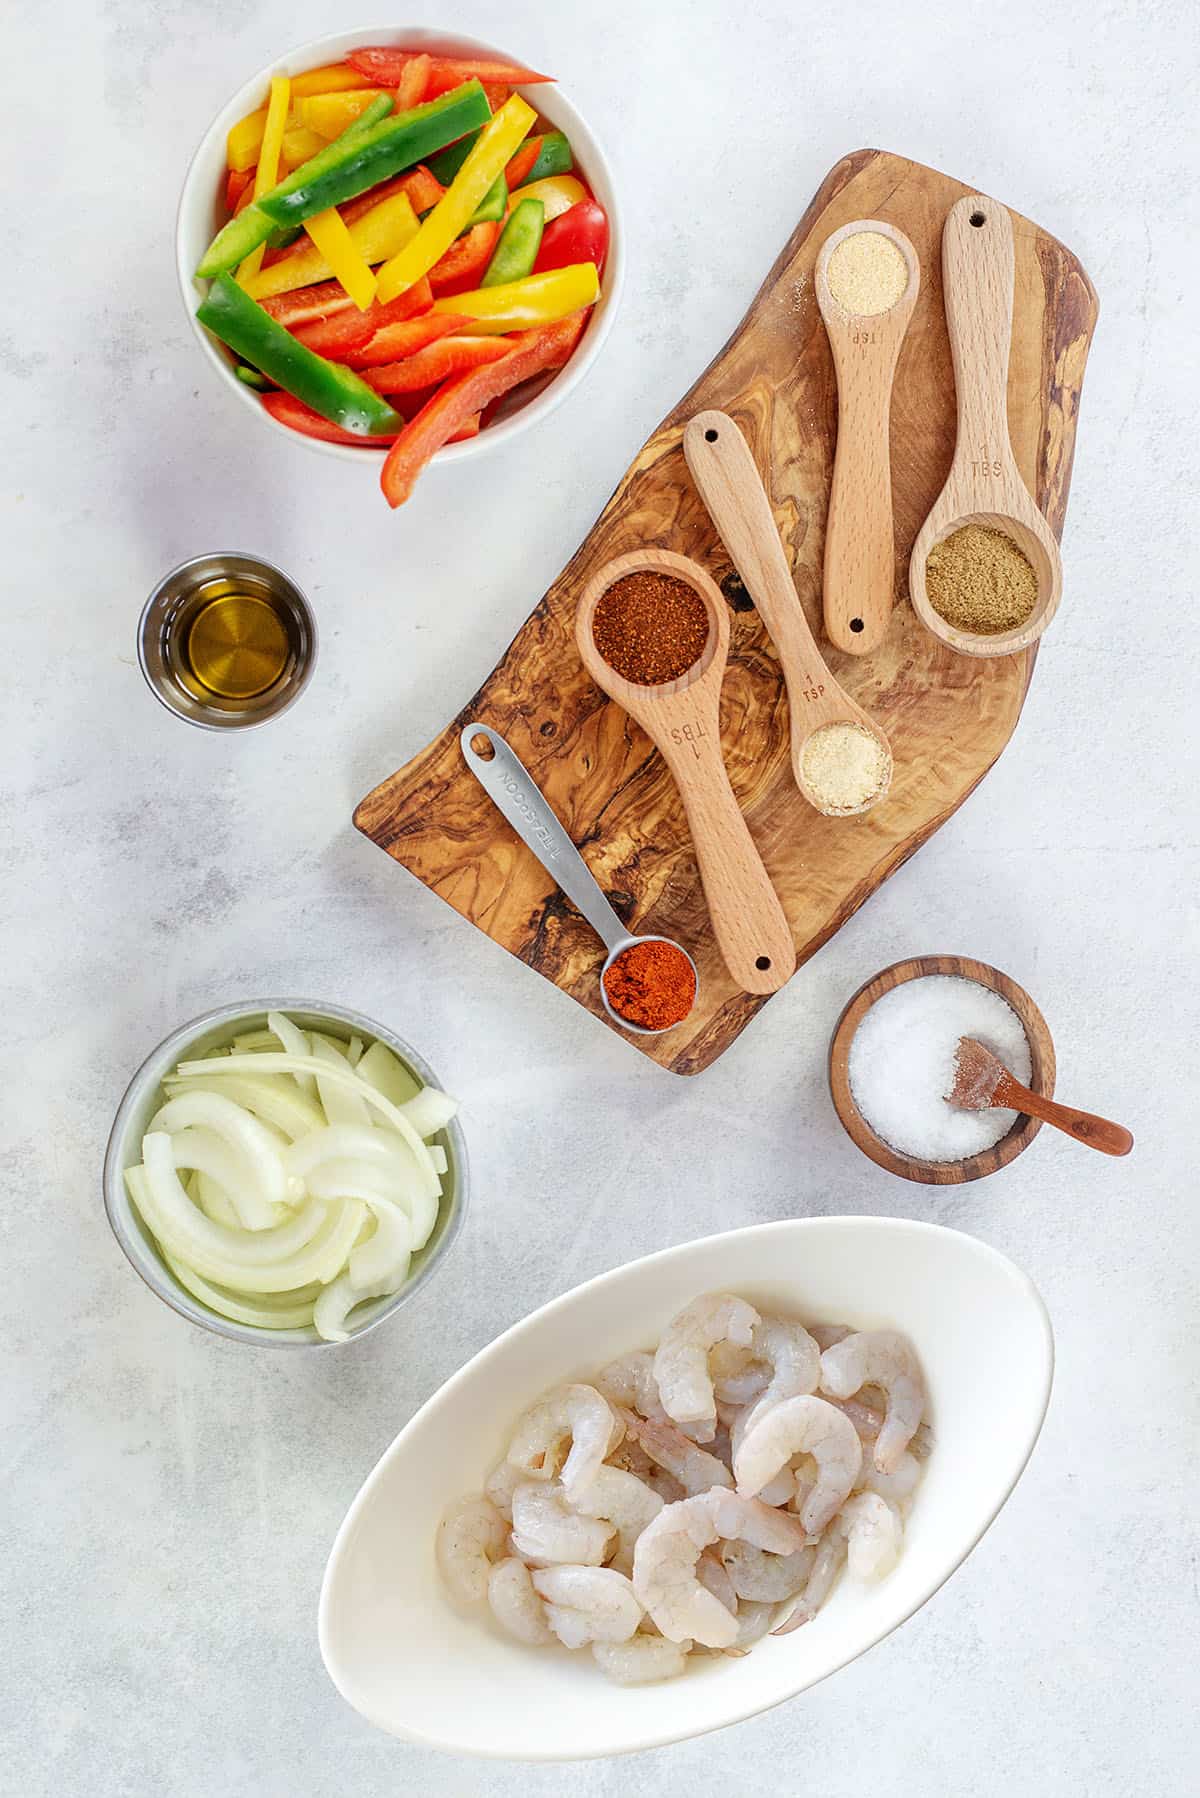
x,y
747,919
1084,1126
728,481
977,275
510,787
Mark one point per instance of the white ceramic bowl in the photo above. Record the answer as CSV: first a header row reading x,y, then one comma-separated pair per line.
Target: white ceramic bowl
x,y
410,1661
143,1096
200,216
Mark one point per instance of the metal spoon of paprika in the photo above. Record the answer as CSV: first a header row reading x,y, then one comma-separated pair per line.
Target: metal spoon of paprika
x,y
511,789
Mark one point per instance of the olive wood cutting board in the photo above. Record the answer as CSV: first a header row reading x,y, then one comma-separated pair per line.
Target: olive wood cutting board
x,y
948,716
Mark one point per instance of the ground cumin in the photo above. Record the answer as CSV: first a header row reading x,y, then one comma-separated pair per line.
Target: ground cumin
x,y
651,984
650,627
980,580
844,767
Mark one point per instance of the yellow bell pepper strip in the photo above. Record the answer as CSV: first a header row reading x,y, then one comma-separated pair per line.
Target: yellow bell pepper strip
x,y
329,114
331,389
350,267
330,78
267,172
497,141
244,139
300,145
354,163
523,305
375,236
558,193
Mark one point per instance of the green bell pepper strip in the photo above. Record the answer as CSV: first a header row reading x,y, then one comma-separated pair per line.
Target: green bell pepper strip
x,y
250,377
344,170
446,164
515,254
554,158
493,205
337,393
284,236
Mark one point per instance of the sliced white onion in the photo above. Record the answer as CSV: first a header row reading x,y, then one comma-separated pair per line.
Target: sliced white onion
x,y
439,1158
275,1102
388,1074
248,1248
256,1180
339,1105
339,1299
381,1262
354,1051
296,1042
295,1314
210,1197
430,1111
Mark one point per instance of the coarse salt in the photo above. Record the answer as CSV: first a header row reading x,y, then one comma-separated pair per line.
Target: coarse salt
x,y
902,1064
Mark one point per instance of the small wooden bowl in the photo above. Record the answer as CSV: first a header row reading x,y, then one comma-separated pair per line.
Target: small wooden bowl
x,y
973,1167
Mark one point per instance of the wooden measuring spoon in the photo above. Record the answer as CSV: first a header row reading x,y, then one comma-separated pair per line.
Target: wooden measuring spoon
x,y
984,485
730,485
860,550
983,1083
682,720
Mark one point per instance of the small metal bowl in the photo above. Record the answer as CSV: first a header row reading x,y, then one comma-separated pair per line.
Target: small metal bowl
x,y
143,1096
169,613
911,1167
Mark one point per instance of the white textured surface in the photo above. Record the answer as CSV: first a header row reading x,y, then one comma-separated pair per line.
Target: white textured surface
x,y
168,1500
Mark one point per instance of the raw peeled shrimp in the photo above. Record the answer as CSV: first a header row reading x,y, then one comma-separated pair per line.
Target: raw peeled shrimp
x,y
642,1659
868,1421
664,1562
681,1361
714,1577
587,1604
470,1537
500,1485
623,1502
898,1486
885,1359
515,1605
765,1578
694,1468
802,1425
629,1381
546,1529
753,1621
866,1532
578,1413
795,1363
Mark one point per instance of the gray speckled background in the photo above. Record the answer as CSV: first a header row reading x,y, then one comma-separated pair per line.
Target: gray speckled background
x,y
168,1499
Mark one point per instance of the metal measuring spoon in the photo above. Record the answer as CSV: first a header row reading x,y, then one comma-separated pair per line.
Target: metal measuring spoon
x,y
511,789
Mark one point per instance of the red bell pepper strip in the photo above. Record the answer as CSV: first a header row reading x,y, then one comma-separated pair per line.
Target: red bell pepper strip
x,y
423,188
298,417
529,353
437,362
404,338
386,65
237,183
462,267
577,235
348,329
413,85
522,162
328,299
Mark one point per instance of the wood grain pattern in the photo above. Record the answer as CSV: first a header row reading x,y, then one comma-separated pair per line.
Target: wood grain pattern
x,y
909,1167
947,717
860,546
985,485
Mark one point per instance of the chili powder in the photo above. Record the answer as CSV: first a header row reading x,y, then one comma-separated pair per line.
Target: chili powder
x,y
651,984
650,627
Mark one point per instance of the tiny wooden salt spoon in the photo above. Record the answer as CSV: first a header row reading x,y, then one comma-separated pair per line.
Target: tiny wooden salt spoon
x,y
860,549
682,720
984,485
731,487
983,1083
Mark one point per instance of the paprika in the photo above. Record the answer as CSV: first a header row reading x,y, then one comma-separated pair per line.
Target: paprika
x,y
651,984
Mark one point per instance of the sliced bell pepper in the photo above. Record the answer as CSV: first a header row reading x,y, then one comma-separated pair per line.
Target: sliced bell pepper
x,y
300,145
349,265
436,362
436,422
239,184
447,162
399,338
298,417
520,305
497,141
493,205
329,300
580,235
553,158
346,336
376,235
267,172
423,188
330,78
520,165
413,85
386,65
515,254
464,263
329,114
334,391
558,193
353,163
250,377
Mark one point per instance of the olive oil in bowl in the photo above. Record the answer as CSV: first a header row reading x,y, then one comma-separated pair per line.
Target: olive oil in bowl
x,y
226,641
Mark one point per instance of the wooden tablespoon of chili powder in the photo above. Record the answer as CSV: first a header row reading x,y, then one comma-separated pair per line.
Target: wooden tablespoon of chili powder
x,y
651,984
